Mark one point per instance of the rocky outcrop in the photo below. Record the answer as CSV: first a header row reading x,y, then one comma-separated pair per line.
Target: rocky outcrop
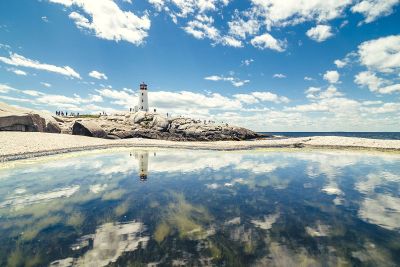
x,y
156,126
88,128
130,125
15,119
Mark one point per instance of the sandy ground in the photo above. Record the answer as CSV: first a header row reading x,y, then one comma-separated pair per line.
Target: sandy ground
x,y
20,145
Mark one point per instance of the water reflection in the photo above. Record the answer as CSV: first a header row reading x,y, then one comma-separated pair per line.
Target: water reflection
x,y
202,208
109,242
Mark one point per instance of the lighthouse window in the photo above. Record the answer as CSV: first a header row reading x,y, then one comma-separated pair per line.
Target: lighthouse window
x,y
142,100
142,93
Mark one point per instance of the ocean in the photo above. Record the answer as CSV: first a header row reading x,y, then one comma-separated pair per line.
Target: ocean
x,y
372,135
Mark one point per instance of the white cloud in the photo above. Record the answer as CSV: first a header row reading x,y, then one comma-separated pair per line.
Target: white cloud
x,y
4,88
373,9
329,100
306,78
384,108
202,28
317,93
21,61
98,75
267,41
65,102
107,21
279,76
18,72
382,54
246,98
332,76
45,19
233,80
375,83
46,84
292,12
32,92
230,41
270,97
247,62
369,79
340,63
243,28
320,33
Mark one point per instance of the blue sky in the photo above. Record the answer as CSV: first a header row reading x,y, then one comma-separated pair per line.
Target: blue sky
x,y
269,65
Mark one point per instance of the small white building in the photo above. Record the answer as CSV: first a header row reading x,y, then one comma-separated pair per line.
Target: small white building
x,y
143,103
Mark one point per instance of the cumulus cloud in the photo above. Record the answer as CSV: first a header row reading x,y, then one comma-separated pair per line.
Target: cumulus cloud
x,y
373,9
270,97
376,84
245,24
340,63
98,75
202,27
320,33
369,79
21,61
267,41
382,54
332,76
292,12
246,98
107,21
381,57
243,28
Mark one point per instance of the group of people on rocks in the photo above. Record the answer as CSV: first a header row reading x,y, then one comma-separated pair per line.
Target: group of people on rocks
x,y
71,114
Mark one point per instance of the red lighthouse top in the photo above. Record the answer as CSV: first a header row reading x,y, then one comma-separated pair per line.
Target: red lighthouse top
x,y
143,86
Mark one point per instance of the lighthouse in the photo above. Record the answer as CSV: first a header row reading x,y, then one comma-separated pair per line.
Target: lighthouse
x,y
143,103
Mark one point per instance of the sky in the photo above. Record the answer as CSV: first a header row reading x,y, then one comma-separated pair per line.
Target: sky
x,y
269,65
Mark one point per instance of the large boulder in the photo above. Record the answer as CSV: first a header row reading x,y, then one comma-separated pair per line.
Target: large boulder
x,y
18,119
139,116
159,123
88,128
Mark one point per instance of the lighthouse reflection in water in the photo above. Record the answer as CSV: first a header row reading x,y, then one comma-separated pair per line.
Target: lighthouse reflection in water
x,y
142,158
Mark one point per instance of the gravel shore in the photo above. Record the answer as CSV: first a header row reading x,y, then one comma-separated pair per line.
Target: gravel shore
x,y
22,145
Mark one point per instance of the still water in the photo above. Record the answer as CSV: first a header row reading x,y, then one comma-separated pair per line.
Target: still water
x,y
202,208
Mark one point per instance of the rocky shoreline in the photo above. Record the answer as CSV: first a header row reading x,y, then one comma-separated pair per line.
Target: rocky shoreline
x,y
140,124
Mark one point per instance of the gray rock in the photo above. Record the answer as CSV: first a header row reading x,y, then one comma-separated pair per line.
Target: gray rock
x,y
159,123
139,116
88,128
15,119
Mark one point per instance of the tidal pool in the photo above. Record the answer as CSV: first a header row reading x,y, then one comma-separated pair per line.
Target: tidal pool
x,y
202,208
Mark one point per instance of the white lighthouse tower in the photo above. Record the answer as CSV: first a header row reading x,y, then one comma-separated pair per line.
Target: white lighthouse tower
x,y
143,103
